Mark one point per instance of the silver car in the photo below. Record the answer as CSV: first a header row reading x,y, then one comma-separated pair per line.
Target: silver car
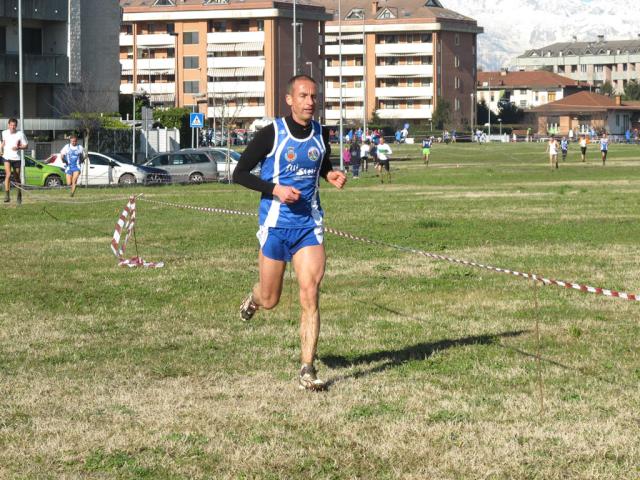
x,y
227,160
187,166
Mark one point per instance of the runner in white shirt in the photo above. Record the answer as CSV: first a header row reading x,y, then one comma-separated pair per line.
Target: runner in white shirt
x,y
604,147
12,142
552,149
73,157
384,151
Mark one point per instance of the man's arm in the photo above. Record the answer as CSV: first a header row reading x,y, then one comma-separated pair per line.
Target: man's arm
x,y
255,152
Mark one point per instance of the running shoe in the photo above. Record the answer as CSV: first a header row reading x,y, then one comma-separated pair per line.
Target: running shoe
x,y
248,308
19,197
7,198
309,380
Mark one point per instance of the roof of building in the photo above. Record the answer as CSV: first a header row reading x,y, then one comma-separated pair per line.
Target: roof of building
x,y
523,80
181,4
585,102
597,47
398,10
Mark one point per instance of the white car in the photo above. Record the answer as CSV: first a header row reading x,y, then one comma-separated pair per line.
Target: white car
x,y
105,170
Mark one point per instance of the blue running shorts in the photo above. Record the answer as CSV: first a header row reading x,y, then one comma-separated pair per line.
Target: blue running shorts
x,y
283,243
71,169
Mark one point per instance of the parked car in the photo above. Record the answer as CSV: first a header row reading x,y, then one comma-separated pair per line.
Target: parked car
x,y
220,156
39,174
106,170
187,165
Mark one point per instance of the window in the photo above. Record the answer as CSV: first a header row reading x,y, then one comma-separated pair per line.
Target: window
x,y
457,39
161,160
523,104
260,25
191,86
98,160
190,38
216,2
599,68
164,3
171,28
386,14
456,61
457,104
355,14
583,68
3,39
32,41
191,62
426,38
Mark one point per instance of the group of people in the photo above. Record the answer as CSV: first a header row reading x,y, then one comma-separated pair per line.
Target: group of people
x,y
14,140
553,145
356,155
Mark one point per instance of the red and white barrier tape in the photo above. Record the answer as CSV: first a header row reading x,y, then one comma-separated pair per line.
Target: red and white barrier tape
x,y
530,276
126,222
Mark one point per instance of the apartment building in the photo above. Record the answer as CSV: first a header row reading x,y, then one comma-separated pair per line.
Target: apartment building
x,y
595,62
523,89
399,57
70,59
229,59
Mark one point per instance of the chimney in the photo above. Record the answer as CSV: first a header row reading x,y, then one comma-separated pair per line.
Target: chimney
x,y
600,38
374,6
618,100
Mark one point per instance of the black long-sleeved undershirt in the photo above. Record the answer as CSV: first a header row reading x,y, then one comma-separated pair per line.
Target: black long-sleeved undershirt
x,y
261,146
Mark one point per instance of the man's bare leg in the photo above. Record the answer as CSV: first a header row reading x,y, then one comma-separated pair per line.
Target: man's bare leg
x,y
309,264
266,293
7,180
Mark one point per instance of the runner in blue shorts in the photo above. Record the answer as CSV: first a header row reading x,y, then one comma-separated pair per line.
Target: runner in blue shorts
x,y
293,153
72,156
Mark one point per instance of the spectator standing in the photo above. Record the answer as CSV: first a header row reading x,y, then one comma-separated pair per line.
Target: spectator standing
x,y
346,157
552,150
354,151
398,136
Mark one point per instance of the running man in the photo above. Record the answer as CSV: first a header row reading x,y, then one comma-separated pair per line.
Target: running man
x,y
72,156
384,151
604,147
294,153
583,147
564,146
426,149
12,142
552,149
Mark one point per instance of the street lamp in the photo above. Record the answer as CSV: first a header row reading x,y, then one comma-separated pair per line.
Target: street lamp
x,y
472,120
500,121
310,68
340,79
295,40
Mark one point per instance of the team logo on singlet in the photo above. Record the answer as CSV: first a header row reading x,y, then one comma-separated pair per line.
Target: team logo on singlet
x,y
291,154
314,154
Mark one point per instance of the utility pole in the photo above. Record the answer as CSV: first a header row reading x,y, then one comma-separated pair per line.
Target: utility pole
x,y
340,79
21,88
295,41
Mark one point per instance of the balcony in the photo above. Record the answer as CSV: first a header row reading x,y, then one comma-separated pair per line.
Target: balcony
x,y
254,88
163,65
237,112
153,88
231,62
235,37
126,40
155,40
402,114
346,50
347,93
388,49
350,71
350,114
48,10
404,92
412,71
41,69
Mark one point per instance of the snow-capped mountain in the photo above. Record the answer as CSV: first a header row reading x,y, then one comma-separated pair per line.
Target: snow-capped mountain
x,y
512,27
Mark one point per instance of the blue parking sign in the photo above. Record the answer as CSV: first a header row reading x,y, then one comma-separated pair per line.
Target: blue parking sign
x,y
196,120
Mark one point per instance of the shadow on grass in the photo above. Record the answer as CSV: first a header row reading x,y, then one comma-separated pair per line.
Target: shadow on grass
x,y
419,351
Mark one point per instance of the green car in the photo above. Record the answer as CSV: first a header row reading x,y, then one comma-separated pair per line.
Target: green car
x,y
39,174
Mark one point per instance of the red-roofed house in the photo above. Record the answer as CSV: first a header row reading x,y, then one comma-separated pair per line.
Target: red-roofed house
x,y
583,111
524,89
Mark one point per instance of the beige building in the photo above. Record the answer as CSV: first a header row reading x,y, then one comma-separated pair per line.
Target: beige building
x,y
229,59
595,62
398,58
524,89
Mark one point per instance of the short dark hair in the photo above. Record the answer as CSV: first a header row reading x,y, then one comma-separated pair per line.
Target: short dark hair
x,y
73,135
13,120
295,78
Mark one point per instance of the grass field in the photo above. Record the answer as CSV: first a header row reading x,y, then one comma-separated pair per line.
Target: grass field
x,y
437,371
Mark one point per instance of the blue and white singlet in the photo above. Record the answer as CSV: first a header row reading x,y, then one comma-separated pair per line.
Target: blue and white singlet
x,y
296,163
